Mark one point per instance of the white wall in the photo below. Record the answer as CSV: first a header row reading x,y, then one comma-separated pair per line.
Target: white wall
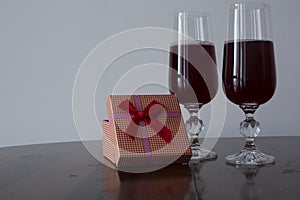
x,y
43,42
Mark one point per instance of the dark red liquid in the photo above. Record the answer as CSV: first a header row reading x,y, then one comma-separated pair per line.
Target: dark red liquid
x,y
193,72
249,74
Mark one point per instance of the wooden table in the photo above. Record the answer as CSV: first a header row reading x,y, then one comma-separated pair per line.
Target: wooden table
x,y
68,171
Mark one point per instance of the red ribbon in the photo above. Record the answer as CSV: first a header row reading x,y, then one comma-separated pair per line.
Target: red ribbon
x,y
138,116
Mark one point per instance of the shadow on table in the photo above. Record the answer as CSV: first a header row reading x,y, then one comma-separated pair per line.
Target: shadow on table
x,y
171,182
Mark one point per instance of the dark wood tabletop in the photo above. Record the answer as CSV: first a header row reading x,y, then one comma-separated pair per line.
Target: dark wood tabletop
x,y
68,171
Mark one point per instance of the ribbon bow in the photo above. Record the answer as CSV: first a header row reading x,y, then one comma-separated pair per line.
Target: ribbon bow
x,y
143,116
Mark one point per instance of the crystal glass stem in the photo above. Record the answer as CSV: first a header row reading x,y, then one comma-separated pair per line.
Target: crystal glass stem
x,y
250,128
194,126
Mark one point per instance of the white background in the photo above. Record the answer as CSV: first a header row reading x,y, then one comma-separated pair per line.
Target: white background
x,y
43,42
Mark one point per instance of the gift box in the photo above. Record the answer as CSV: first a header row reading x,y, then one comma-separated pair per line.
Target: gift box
x,y
144,131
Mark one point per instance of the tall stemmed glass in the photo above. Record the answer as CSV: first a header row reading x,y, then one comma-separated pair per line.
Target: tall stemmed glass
x,y
193,73
249,74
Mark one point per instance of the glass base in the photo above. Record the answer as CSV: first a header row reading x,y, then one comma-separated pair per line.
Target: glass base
x,y
201,154
250,157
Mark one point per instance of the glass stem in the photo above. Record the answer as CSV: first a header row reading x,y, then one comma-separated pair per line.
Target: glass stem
x,y
249,128
194,125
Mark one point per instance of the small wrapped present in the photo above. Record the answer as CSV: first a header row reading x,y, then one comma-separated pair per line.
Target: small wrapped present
x,y
144,130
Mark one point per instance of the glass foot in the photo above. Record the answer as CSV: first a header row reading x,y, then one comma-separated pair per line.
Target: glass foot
x,y
250,157
201,154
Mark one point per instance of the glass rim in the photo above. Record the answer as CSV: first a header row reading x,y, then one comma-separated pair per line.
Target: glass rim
x,y
193,14
253,5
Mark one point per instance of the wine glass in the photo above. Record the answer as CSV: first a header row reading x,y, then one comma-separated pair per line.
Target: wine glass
x,y
193,73
249,74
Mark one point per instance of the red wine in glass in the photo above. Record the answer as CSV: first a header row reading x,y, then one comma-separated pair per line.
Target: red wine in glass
x,y
193,78
249,74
